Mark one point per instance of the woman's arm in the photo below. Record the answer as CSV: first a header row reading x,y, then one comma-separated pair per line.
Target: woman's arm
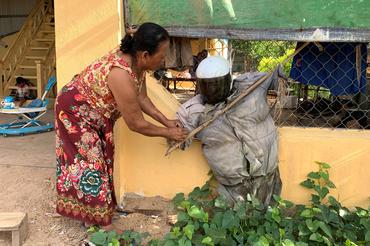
x,y
149,108
124,92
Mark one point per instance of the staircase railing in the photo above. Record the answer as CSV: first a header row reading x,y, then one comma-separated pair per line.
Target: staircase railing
x,y
16,51
45,68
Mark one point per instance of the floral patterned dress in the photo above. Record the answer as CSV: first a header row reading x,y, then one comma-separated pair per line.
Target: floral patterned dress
x,y
85,112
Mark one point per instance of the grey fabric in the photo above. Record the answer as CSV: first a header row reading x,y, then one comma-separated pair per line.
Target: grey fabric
x,y
179,53
241,146
262,187
189,112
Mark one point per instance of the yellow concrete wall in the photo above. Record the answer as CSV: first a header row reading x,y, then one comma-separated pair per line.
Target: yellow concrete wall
x,y
145,169
86,30
347,151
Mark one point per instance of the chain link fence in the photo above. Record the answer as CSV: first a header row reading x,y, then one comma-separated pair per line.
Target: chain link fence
x,y
328,84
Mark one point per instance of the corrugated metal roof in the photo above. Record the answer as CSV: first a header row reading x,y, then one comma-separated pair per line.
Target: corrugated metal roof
x,y
13,14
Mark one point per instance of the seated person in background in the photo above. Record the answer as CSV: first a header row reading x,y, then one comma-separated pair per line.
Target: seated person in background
x,y
184,74
23,92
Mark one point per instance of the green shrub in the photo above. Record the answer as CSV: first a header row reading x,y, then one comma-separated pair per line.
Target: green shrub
x,y
269,63
206,220
203,221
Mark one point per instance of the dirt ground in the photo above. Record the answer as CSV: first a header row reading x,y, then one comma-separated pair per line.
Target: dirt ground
x,y
27,181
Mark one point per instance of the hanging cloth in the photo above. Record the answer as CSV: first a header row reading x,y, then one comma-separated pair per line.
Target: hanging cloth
x,y
340,67
179,53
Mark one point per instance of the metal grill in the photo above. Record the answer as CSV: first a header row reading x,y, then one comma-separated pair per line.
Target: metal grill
x,y
328,83
181,84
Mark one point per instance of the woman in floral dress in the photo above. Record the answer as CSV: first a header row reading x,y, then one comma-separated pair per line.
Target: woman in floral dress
x,y
86,108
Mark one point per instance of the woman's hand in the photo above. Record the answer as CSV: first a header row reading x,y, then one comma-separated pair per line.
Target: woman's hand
x,y
176,133
173,123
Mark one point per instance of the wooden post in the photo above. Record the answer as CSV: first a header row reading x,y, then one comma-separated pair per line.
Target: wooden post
x,y
39,85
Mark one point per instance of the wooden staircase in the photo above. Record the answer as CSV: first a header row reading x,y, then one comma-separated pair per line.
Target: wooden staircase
x,y
32,55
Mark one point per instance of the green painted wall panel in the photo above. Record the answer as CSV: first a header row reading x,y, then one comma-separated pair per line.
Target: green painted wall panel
x,y
253,14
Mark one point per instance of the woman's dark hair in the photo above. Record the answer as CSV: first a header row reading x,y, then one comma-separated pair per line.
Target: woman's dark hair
x,y
20,80
147,38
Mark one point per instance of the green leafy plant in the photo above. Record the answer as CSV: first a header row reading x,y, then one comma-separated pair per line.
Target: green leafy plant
x,y
101,237
205,219
260,53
